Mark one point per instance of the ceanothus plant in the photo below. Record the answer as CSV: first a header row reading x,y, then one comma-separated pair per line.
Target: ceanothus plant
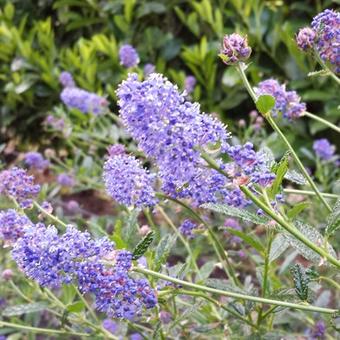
x,y
172,164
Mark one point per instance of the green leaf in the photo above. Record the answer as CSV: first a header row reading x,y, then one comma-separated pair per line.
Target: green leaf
x,y
235,212
246,238
280,170
143,245
295,177
223,285
24,309
206,270
9,11
292,213
265,103
333,220
76,307
130,227
163,249
312,235
300,282
68,294
278,247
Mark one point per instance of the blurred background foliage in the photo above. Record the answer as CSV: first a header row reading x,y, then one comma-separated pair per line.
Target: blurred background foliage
x,y
41,38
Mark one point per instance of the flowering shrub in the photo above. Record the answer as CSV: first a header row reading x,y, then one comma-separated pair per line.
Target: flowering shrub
x,y
154,220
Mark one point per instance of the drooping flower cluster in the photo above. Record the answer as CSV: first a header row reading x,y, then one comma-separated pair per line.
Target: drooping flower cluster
x,y
74,257
187,228
287,102
128,56
16,184
305,38
327,28
127,181
84,101
36,160
173,132
189,84
234,49
66,79
324,149
12,226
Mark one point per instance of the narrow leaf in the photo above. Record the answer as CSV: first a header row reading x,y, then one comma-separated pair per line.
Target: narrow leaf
x,y
333,221
278,247
143,246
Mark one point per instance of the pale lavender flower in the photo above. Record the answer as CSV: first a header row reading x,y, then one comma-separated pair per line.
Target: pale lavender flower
x,y
66,79
234,49
116,149
16,184
189,84
232,223
55,123
187,228
7,274
66,180
110,325
305,38
12,226
36,160
128,56
327,28
287,102
148,69
324,149
84,101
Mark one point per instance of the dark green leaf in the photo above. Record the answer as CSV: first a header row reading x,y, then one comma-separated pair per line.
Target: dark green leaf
x,y
300,282
143,246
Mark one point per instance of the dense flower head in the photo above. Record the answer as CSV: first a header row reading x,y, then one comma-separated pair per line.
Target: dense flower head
x,y
116,293
128,182
324,149
66,180
305,38
234,49
36,160
287,102
189,84
327,27
187,228
148,69
52,260
16,184
12,226
171,130
128,56
66,79
84,101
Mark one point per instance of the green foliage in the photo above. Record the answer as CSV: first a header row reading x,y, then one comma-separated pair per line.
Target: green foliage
x,y
333,220
24,309
301,281
143,245
265,103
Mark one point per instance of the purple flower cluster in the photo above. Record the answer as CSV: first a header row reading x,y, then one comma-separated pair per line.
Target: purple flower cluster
x,y
12,226
287,102
173,132
324,149
117,294
74,257
36,160
187,228
16,184
327,28
51,259
128,56
84,101
248,165
189,84
55,123
318,332
66,79
128,182
66,180
305,38
234,49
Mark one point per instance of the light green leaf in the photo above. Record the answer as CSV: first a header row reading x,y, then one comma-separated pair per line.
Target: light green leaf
x,y
333,220
265,103
235,212
292,213
76,307
24,309
278,247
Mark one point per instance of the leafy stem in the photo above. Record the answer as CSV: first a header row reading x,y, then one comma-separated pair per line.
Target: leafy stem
x,y
241,69
233,294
